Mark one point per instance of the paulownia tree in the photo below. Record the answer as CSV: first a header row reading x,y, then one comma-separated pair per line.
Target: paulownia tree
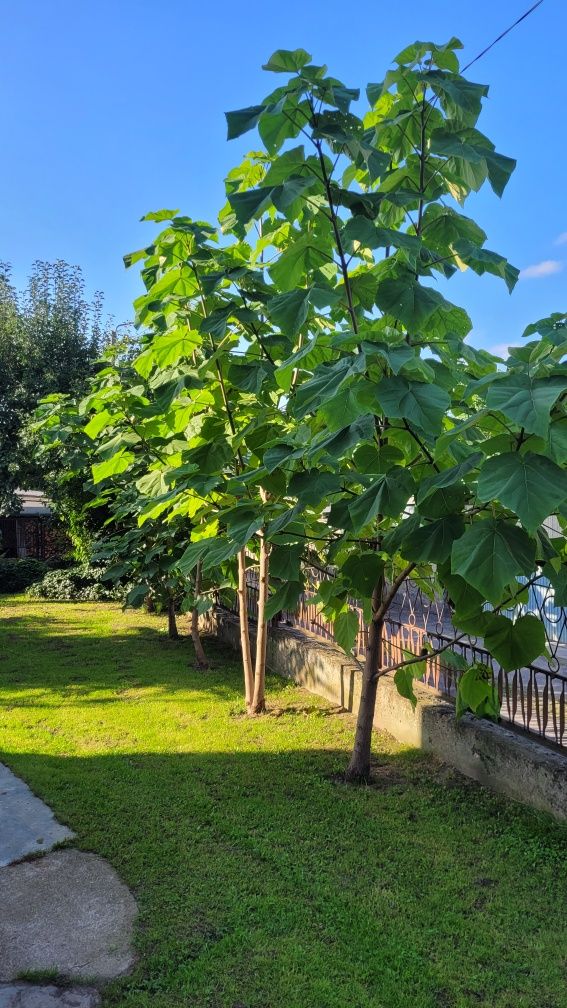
x,y
432,461
98,435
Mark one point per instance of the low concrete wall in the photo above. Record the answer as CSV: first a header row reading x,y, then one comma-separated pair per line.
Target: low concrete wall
x,y
507,762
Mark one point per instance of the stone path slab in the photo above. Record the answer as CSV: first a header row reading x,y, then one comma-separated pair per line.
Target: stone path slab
x,y
23,995
27,825
67,911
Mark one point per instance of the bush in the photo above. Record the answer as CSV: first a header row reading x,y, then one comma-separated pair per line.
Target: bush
x,y
17,575
77,584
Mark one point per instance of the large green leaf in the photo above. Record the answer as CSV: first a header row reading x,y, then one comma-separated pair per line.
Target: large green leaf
x,y
445,501
242,120
301,256
251,203
405,676
242,522
514,644
311,486
408,301
362,571
558,579
285,597
499,170
456,143
421,404
451,476
117,463
483,261
282,121
345,407
432,543
284,451
443,226
387,496
289,310
404,679
171,347
286,197
460,98
249,375
291,162
361,229
194,552
152,484
526,400
532,486
557,440
287,61
98,422
285,562
324,384
490,554
477,692
345,629
363,287
337,445
396,355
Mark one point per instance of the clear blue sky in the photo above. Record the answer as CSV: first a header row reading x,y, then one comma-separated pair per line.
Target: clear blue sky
x,y
111,108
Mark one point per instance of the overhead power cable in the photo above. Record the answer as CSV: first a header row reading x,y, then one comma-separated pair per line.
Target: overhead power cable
x,y
503,34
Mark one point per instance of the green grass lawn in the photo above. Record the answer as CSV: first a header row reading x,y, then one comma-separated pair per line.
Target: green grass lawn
x,y
261,881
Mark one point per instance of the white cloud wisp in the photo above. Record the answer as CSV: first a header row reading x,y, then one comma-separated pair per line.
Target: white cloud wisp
x,y
542,269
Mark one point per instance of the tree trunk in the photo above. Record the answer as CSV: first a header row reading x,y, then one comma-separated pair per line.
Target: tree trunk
x,y
358,770
171,621
200,656
259,698
244,631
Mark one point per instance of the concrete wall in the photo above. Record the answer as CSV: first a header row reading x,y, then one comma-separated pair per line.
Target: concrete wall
x,y
503,760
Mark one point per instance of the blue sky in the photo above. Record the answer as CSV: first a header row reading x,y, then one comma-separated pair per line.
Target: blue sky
x,y
112,109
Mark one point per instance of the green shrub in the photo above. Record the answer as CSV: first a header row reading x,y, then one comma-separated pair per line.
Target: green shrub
x,y
77,584
17,575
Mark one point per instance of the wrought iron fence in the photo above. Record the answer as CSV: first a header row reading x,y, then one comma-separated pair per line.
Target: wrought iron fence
x,y
533,699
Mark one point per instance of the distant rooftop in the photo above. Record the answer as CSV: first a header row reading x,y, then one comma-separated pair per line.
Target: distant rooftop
x,y
34,502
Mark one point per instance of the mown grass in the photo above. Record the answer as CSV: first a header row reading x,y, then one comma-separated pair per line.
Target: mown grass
x,y
261,881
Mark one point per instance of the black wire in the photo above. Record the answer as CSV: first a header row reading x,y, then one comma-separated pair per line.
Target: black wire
x,y
502,35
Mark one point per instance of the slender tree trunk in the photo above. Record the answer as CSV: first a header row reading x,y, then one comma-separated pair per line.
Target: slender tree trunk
x,y
171,621
244,630
358,770
200,656
259,698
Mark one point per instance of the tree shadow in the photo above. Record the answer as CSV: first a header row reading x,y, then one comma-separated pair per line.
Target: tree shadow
x,y
262,880
43,651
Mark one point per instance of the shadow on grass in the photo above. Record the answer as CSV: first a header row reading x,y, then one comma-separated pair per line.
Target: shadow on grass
x,y
44,651
262,881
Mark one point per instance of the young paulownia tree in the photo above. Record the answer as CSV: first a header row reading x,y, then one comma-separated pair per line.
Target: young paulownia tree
x,y
432,460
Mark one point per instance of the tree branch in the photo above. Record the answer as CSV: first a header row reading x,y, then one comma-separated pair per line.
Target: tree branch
x,y
391,594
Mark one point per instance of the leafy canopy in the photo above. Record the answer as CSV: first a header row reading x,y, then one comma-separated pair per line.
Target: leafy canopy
x,y
302,375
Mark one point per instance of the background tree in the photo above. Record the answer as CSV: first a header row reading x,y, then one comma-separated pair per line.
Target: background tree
x,y
50,338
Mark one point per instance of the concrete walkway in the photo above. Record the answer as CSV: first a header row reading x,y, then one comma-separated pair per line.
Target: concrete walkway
x,y
27,825
66,911
24,995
